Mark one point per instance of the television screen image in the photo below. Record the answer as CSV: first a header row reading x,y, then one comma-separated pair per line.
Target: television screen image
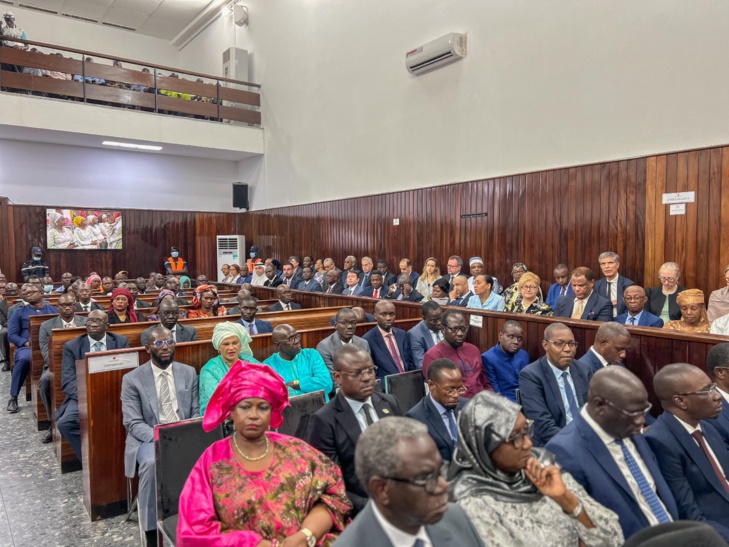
x,y
78,229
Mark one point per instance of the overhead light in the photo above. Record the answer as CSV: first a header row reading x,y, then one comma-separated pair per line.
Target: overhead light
x,y
131,145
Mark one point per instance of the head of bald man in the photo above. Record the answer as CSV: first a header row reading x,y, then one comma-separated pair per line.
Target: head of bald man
x,y
287,341
687,392
618,401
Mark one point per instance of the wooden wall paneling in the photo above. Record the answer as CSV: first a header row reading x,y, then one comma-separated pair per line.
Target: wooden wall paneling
x,y
720,176
707,211
695,272
637,233
650,219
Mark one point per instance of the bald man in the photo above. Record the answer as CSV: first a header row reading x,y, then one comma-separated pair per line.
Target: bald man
x,y
612,341
603,450
636,315
692,455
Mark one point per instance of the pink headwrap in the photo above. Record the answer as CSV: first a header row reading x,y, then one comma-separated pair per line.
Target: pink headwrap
x,y
244,381
91,278
130,305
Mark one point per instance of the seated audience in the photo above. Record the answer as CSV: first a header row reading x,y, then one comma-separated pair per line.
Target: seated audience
x,y
455,348
308,283
613,285
460,295
439,409
374,289
362,316
206,303
332,283
431,272
97,338
425,334
280,491
554,387
635,300
161,391
159,280
350,265
475,265
604,451
258,278
94,281
561,286
168,313
295,261
440,291
285,300
693,313
612,341
717,363
239,297
248,310
47,286
231,340
662,299
692,455
389,346
351,286
134,290
272,279
485,298
66,280
122,308
173,284
346,325
388,278
319,272
404,290
185,285
527,300
719,300
514,493
288,278
584,303
506,360
107,285
335,428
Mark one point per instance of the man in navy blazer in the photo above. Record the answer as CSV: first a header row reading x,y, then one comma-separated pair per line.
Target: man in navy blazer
x,y
382,354
460,294
613,284
307,282
593,306
285,300
425,334
404,290
440,408
612,341
561,287
692,455
248,308
717,363
406,268
635,300
549,397
593,450
96,339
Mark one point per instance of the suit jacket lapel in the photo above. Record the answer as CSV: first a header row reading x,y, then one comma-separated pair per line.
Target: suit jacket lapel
x,y
553,385
434,418
440,535
383,347
601,453
346,418
150,388
589,305
580,386
180,391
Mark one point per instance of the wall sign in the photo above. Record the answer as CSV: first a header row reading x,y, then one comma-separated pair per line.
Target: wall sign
x,y
679,197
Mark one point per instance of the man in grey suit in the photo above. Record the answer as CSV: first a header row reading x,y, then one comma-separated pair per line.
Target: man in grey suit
x,y
65,319
169,314
402,471
425,334
160,391
346,323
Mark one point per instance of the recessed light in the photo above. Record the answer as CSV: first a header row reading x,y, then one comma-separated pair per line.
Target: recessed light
x,y
131,145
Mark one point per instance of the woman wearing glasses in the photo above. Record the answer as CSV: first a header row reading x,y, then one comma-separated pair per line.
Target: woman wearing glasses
x,y
662,299
513,492
528,299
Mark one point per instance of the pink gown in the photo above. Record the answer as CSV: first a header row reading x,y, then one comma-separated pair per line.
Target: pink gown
x,y
222,504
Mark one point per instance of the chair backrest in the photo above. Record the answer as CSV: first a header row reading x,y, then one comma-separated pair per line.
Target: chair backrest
x,y
296,417
177,448
407,387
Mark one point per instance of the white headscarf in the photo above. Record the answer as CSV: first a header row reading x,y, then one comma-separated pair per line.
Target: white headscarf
x,y
256,279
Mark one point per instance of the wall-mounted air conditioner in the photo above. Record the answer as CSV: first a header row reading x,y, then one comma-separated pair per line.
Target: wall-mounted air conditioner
x,y
435,54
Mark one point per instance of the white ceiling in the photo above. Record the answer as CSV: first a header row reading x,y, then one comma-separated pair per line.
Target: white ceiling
x,y
159,18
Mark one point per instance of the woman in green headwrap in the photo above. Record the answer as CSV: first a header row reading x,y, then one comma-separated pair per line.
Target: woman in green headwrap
x,y
231,339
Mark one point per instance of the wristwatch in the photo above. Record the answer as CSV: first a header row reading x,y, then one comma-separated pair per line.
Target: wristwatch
x,y
310,539
577,510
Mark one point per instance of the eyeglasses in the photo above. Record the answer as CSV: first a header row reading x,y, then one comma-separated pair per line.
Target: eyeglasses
x,y
517,440
712,389
360,374
453,391
633,298
162,343
667,279
530,287
560,344
430,483
457,330
632,415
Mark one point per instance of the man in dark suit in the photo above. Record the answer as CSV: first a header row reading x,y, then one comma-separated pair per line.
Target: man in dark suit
x,y
161,391
603,450
635,300
242,294
350,265
584,303
169,315
308,283
425,334
454,267
272,280
391,354
391,455
561,286
692,455
460,294
288,278
375,289
717,363
388,278
554,387
440,408
367,267
298,277
612,341
285,300
134,291
346,323
613,284
84,299
248,310
333,283
404,290
96,339
335,429
406,268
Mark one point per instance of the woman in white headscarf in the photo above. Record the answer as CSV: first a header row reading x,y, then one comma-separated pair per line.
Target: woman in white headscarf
x,y
258,278
60,236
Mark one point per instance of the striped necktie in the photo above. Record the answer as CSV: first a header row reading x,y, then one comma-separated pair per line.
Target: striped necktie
x,y
645,489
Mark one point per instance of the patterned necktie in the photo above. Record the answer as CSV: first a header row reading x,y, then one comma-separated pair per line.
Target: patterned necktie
x,y
252,327
650,496
574,408
393,351
98,346
167,413
631,320
699,436
452,426
330,288
86,307
368,417
577,314
562,292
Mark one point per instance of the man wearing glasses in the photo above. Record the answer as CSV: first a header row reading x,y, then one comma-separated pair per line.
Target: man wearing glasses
x,y
636,315
603,450
335,428
176,389
692,455
554,388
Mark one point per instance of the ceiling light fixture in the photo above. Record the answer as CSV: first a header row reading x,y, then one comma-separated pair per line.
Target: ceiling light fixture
x,y
131,145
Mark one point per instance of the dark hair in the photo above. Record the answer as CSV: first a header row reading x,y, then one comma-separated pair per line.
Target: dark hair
x,y
443,284
407,261
437,366
288,264
488,279
718,356
430,306
375,272
582,271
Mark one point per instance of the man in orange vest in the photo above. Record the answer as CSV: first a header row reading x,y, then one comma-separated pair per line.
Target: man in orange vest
x,y
174,265
254,258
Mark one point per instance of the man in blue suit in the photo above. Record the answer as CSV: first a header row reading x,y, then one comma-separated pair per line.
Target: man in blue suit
x,y
612,341
96,339
585,303
717,363
406,268
635,300
604,451
308,283
460,294
561,287
425,334
248,309
692,455
554,387
351,287
391,354
440,408
613,284
375,288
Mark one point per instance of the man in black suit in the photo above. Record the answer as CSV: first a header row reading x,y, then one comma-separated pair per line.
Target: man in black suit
x,y
388,278
454,267
460,294
584,303
375,289
439,410
333,283
285,300
248,310
295,261
83,293
335,428
288,278
169,315
613,285
404,290
272,280
96,339
350,265
134,291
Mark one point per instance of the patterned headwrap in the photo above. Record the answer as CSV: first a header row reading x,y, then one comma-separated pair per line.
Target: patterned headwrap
x,y
77,221
130,303
690,296
163,293
198,294
233,328
245,381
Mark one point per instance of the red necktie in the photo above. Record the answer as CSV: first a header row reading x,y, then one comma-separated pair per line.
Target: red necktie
x,y
377,293
702,443
329,289
393,351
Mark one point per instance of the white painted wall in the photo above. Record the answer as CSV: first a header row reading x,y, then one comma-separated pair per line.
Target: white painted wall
x,y
545,84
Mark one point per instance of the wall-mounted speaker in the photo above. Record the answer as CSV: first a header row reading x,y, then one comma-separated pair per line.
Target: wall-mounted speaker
x,y
240,195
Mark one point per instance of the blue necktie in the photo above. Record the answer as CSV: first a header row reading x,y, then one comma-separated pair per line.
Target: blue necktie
x,y
574,408
631,320
364,280
419,543
452,426
650,496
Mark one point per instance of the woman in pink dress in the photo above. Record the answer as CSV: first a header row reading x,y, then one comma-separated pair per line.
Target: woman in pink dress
x,y
258,488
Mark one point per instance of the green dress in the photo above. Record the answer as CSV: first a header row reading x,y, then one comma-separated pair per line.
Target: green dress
x,y
211,375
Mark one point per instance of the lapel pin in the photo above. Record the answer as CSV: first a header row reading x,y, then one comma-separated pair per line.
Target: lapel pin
x,y
385,411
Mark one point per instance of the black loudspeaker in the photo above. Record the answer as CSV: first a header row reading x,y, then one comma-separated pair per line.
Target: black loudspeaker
x,y
240,195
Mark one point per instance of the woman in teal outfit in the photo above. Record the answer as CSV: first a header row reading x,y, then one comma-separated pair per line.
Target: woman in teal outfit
x,y
231,339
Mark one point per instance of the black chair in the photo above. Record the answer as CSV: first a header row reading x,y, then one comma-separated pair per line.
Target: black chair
x,y
407,387
177,447
296,417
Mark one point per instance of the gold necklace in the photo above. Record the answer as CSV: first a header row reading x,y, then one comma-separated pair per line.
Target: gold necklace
x,y
235,443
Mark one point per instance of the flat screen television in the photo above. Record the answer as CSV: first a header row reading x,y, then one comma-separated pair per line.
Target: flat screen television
x,y
83,229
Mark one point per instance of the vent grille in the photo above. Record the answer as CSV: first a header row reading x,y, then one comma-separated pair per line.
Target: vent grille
x,y
36,8
118,26
228,243
87,19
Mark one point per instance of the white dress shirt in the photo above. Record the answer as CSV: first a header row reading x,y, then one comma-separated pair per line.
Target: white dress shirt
x,y
725,395
357,408
157,372
397,537
613,284
600,357
721,325
690,429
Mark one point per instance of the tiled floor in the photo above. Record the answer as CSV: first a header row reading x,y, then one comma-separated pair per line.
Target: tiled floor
x,y
39,507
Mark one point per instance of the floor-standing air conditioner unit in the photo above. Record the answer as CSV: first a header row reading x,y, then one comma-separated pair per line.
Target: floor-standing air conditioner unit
x,y
231,250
